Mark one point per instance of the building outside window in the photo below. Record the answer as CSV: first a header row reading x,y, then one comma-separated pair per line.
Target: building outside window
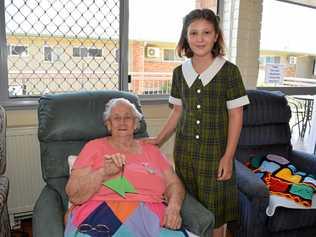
x,y
56,46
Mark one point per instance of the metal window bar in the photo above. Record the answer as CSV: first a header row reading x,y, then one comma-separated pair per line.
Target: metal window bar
x,y
62,26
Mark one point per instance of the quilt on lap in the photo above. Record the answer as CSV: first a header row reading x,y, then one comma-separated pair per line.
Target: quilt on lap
x,y
120,219
282,178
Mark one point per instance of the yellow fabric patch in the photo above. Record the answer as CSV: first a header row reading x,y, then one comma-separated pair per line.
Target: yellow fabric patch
x,y
286,174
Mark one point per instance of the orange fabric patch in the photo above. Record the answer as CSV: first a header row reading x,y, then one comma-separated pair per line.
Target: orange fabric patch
x,y
122,210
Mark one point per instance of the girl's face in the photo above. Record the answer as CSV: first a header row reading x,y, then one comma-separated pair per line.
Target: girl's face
x,y
201,37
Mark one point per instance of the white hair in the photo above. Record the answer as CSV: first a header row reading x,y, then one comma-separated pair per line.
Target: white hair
x,y
114,102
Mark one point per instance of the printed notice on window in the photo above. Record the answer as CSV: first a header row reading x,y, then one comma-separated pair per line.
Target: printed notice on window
x,y
274,73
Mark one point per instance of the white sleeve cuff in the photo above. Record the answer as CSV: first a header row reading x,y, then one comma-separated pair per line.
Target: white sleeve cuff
x,y
235,103
175,101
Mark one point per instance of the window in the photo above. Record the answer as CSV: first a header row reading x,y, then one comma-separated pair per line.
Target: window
x,y
154,31
293,52
60,46
80,52
292,60
17,50
171,55
270,60
94,52
51,54
85,52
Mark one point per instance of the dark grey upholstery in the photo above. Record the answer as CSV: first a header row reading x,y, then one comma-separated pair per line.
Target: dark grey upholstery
x,y
4,182
66,122
266,131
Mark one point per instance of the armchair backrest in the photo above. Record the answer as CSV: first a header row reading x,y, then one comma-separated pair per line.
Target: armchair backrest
x,y
67,121
265,125
3,122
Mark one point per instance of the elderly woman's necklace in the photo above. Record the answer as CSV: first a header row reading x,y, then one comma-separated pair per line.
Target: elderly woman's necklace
x,y
150,170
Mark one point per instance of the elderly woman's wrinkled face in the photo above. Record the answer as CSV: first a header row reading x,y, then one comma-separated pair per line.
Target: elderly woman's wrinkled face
x,y
122,121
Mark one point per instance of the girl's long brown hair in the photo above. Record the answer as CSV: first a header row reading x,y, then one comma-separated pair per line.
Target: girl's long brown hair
x,y
183,48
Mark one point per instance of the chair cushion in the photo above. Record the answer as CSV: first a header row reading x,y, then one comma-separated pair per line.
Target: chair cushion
x,y
266,107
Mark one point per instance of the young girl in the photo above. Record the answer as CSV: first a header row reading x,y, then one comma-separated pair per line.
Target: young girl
x,y
207,95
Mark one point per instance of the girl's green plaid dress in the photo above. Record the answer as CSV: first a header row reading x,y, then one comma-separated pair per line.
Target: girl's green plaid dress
x,y
201,133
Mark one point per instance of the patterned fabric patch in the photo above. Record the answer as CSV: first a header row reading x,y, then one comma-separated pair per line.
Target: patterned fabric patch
x,y
302,190
287,175
267,166
279,159
285,180
103,215
276,185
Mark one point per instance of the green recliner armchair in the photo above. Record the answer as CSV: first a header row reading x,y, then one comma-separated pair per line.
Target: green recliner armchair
x,y
65,123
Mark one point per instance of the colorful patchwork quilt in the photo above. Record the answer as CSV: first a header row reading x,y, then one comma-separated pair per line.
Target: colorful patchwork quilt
x,y
119,219
283,179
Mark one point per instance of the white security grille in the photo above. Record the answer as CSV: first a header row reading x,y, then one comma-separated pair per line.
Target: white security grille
x,y
59,46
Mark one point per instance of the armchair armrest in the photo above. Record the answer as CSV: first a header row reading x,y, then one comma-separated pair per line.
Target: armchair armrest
x,y
196,218
250,184
48,214
303,161
4,189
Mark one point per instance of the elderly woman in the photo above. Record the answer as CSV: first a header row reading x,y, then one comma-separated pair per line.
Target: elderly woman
x,y
153,209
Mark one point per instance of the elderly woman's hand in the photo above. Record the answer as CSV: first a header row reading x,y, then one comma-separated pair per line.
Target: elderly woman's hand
x,y
172,218
113,163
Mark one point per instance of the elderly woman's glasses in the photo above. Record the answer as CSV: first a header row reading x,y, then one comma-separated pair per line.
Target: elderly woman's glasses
x,y
104,230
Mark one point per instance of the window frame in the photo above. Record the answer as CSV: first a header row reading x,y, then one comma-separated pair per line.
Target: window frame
x,y
32,102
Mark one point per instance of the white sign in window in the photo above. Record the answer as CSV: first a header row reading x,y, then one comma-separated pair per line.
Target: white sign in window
x,y
274,73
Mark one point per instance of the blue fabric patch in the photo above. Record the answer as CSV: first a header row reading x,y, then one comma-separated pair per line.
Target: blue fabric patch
x,y
259,174
267,166
143,222
123,231
301,173
292,167
171,233
103,215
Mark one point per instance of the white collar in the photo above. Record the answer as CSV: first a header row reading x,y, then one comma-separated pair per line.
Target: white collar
x,y
190,75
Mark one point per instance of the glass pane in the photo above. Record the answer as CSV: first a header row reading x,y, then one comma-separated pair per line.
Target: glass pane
x,y
58,46
154,31
287,49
